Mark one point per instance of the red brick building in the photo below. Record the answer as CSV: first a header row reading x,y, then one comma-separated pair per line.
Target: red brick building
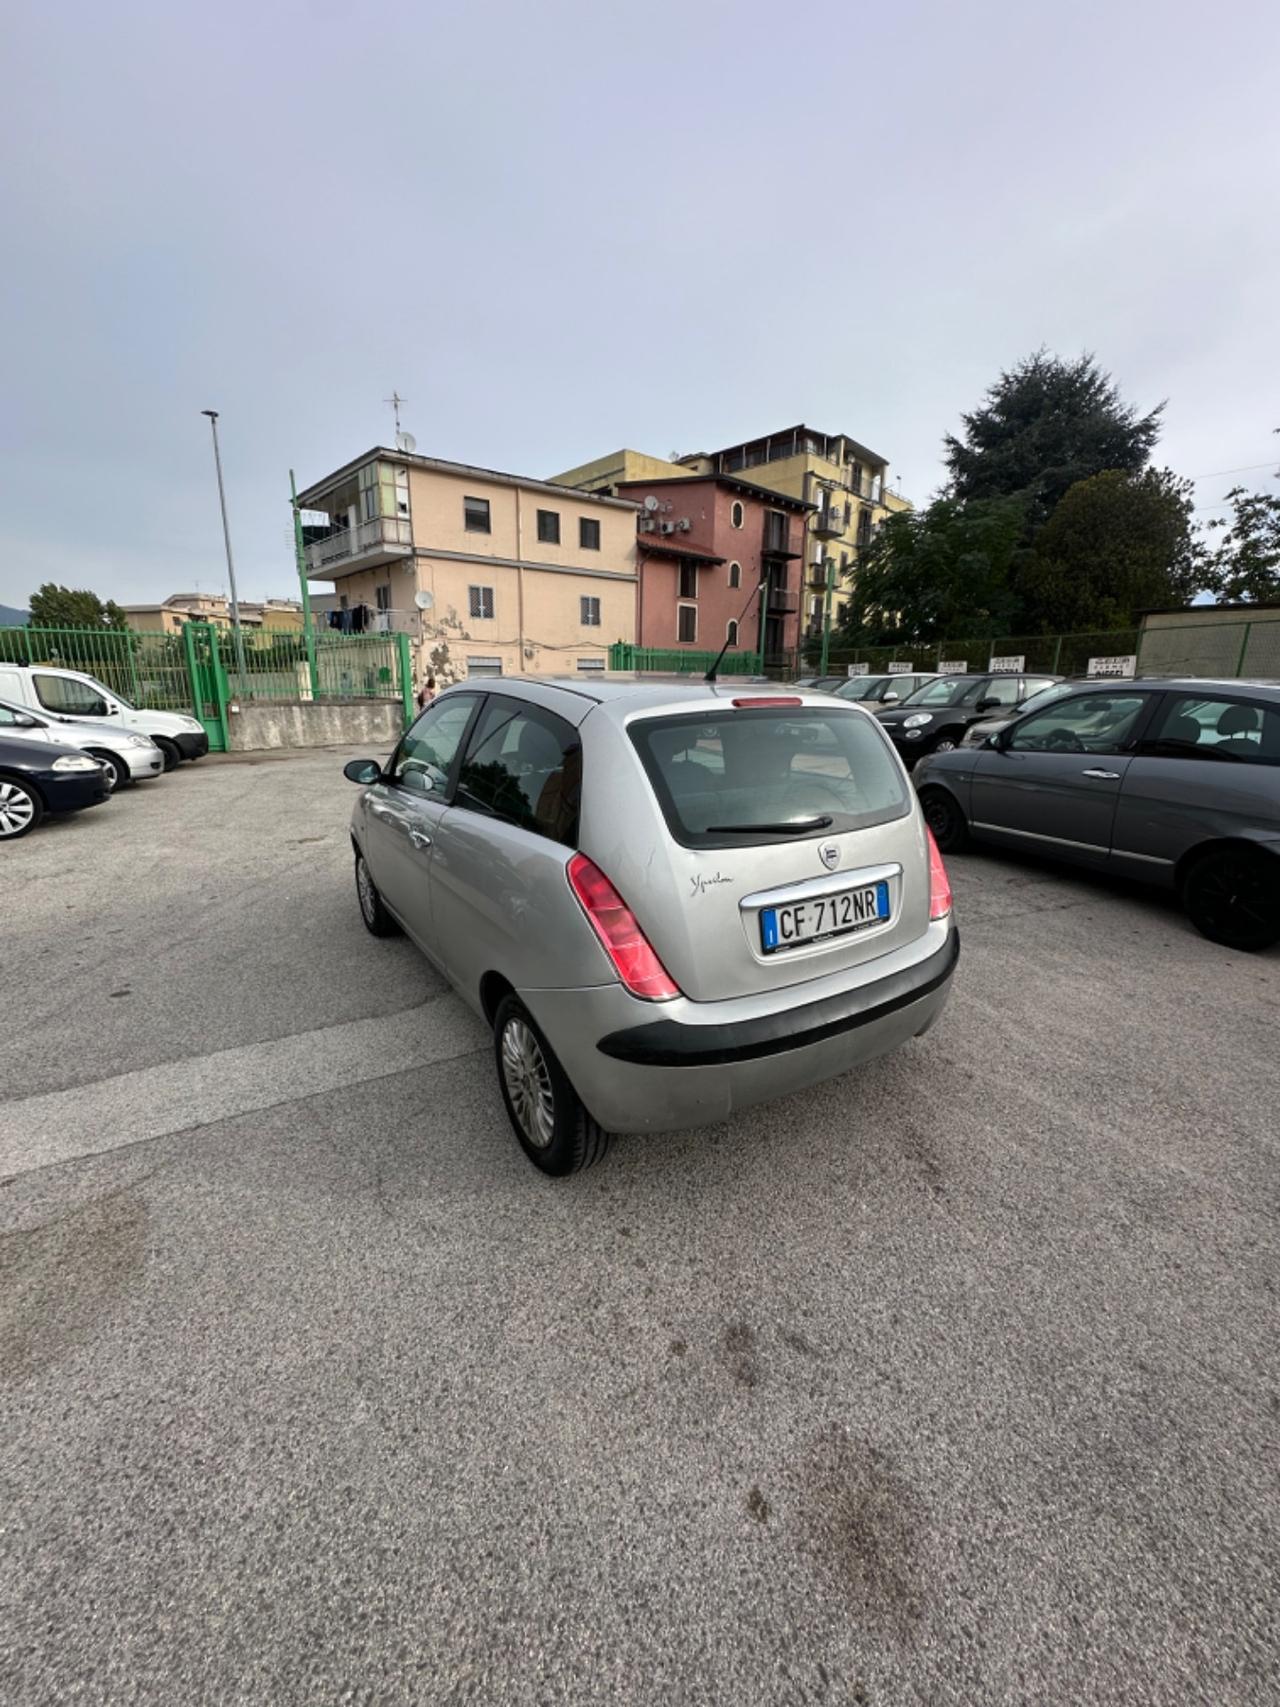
x,y
706,543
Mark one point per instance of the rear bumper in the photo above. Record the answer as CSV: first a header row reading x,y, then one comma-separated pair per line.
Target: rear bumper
x,y
192,746
656,1072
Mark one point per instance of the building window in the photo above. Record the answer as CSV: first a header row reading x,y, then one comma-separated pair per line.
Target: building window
x,y
735,574
484,666
589,609
549,527
737,515
688,580
686,622
480,602
588,533
475,515
590,666
382,597
731,632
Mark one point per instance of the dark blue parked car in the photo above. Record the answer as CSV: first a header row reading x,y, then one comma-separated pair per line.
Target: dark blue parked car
x,y
37,778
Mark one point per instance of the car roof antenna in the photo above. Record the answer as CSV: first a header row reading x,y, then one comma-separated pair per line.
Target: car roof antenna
x,y
711,673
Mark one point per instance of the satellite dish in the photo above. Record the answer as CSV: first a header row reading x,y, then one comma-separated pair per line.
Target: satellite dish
x,y
651,503
407,443
423,599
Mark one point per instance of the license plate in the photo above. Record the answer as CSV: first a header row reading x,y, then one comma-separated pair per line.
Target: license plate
x,y
823,916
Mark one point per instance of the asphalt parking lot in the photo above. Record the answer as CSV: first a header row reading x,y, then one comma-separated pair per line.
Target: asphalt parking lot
x,y
952,1381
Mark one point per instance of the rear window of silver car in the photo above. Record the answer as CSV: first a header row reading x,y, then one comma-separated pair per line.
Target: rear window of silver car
x,y
743,778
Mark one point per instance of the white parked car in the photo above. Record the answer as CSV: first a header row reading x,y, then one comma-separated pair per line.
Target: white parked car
x,y
81,698
125,757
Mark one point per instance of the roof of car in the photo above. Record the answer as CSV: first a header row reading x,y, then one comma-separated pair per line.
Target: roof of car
x,y
624,692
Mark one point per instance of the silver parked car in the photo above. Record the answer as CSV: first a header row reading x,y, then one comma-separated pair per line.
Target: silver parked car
x,y
873,691
669,899
1175,783
125,757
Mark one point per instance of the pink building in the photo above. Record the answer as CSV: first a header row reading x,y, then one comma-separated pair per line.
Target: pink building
x,y
706,543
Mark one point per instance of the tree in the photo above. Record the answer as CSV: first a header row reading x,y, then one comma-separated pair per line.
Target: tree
x,y
1246,565
942,570
1044,426
67,607
1117,543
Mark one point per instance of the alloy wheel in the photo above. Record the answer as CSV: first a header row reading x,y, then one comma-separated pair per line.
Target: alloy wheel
x,y
528,1082
367,893
946,745
17,809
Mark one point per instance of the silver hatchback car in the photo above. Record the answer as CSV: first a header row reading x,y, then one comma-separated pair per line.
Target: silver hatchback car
x,y
669,899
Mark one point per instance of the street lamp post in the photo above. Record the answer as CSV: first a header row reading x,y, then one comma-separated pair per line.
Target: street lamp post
x,y
231,569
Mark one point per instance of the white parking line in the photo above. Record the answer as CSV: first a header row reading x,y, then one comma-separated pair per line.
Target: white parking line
x,y
155,1101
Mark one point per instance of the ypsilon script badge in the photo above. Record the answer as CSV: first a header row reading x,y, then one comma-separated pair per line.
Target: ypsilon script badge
x,y
829,854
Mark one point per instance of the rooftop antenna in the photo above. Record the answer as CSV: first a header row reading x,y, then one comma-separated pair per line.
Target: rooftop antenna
x,y
395,400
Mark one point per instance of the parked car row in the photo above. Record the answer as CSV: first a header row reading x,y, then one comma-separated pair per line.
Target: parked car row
x,y
68,742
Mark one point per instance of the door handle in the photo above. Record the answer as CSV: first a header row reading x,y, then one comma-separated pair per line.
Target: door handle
x,y
420,838
1103,776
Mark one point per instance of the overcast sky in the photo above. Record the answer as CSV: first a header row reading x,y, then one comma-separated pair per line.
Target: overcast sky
x,y
561,226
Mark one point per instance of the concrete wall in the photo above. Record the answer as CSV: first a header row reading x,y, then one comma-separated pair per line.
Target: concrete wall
x,y
605,472
375,723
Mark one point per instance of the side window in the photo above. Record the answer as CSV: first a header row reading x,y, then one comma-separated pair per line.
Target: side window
x,y
524,765
9,719
63,693
422,761
1002,689
1034,684
1196,727
1088,723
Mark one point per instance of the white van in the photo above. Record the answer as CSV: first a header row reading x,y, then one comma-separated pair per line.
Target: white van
x,y
83,699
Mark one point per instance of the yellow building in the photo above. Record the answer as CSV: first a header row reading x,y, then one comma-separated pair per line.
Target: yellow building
x,y
178,609
606,473
488,573
848,483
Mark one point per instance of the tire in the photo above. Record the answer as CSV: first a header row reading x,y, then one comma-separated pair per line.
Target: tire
x,y
1232,896
21,808
172,757
118,772
551,1126
377,920
946,820
947,742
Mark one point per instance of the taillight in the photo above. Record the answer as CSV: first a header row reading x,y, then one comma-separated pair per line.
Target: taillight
x,y
939,883
619,932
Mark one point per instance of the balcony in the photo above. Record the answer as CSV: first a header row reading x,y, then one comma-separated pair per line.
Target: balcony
x,y
777,536
782,601
381,540
830,521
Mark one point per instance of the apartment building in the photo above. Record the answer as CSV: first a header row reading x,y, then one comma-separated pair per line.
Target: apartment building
x,y
845,483
720,561
173,613
619,468
488,573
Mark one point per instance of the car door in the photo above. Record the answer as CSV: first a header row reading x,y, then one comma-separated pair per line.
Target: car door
x,y
402,811
1207,766
1054,778
498,885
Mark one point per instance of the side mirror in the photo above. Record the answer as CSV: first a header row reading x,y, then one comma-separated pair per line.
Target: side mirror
x,y
22,721
362,771
891,699
105,710
988,704
1001,739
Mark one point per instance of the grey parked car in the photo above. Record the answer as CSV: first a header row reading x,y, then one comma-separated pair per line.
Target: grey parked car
x,y
873,691
669,899
1173,782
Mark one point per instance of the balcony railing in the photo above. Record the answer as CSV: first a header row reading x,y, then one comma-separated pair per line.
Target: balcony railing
x,y
831,521
394,532
782,601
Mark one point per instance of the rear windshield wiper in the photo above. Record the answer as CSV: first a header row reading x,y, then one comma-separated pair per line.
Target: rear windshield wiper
x,y
793,828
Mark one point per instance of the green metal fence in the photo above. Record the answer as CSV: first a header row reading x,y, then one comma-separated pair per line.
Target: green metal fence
x,y
669,661
1055,654
1212,649
198,670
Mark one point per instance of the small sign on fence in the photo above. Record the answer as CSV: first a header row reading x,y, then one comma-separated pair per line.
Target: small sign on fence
x,y
953,666
903,668
858,669
1008,666
1123,664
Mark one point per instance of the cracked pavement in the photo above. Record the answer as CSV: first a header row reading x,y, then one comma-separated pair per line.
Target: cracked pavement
x,y
954,1380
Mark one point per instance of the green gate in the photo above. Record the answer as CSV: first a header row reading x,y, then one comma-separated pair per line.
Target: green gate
x,y
208,681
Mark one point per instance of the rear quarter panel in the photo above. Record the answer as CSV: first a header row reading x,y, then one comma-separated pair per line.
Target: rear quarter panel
x,y
1169,806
